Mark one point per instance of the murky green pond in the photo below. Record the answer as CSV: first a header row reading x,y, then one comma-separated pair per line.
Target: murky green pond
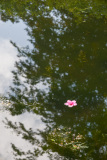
x,y
51,52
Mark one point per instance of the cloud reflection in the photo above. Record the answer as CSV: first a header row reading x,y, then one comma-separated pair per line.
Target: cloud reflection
x,y
29,120
7,59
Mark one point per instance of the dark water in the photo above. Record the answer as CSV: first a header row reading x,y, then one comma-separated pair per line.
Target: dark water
x,y
49,54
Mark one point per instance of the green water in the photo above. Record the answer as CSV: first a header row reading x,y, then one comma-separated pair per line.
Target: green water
x,y
51,52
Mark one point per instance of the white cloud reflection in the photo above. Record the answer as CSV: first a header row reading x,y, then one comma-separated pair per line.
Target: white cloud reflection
x,y
8,56
7,59
8,136
16,33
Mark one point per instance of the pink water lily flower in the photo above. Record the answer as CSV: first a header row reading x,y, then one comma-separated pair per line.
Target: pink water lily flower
x,y
70,103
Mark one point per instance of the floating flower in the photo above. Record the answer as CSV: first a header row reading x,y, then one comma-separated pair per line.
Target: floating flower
x,y
70,103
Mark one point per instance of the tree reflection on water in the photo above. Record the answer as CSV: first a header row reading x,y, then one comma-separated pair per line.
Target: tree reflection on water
x,y
67,61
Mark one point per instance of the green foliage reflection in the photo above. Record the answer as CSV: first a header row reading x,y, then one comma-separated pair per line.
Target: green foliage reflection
x,y
81,9
66,59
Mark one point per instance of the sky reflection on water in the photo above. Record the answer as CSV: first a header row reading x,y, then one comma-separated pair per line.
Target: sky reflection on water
x,y
8,53
7,59
9,135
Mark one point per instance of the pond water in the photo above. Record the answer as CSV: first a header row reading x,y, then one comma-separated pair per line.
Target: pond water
x,y
51,52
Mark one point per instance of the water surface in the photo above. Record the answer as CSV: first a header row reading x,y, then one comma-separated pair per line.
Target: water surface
x,y
50,53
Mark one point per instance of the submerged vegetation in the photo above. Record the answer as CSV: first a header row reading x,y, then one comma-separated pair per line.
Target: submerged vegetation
x,y
66,139
5,102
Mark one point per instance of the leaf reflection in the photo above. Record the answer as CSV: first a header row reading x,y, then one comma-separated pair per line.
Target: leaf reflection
x,y
66,61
